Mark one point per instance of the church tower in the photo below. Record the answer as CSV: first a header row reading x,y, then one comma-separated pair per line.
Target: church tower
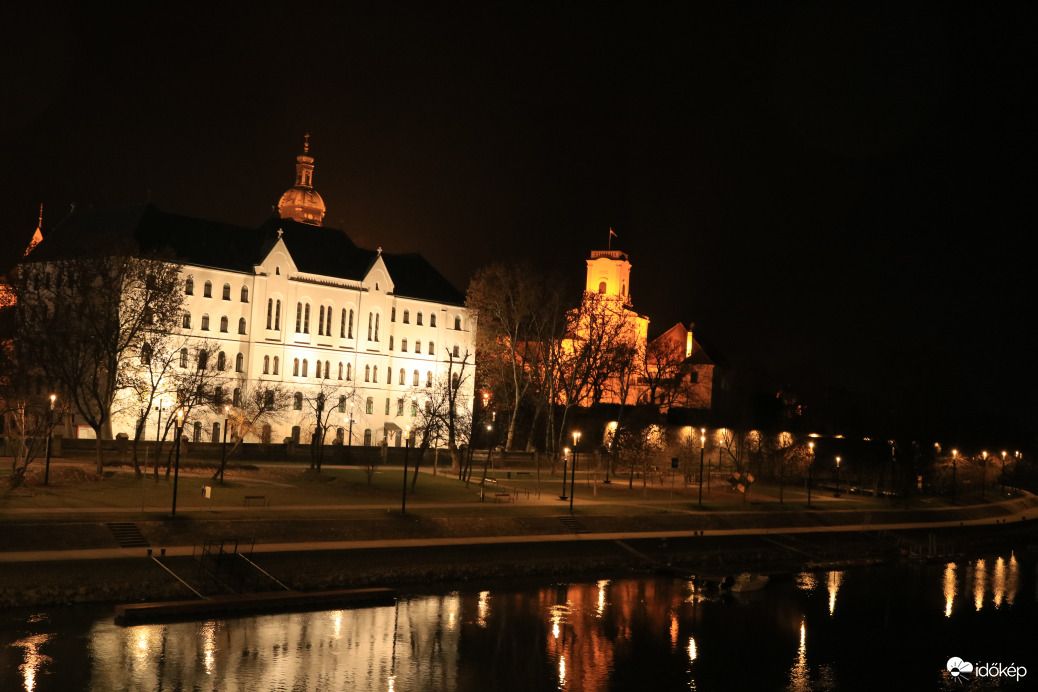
x,y
609,273
301,201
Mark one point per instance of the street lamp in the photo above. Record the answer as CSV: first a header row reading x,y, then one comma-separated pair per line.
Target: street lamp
x,y
837,477
50,433
573,471
983,472
1003,466
810,466
702,447
176,467
223,448
565,460
349,444
407,446
955,458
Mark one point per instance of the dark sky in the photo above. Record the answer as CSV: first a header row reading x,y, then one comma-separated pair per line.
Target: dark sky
x,y
834,195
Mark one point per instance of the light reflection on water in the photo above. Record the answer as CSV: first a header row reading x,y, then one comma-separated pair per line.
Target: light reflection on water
x,y
637,633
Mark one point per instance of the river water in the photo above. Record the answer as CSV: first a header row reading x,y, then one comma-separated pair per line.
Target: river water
x,y
869,628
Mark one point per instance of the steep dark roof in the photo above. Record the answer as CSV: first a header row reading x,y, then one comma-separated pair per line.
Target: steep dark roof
x,y
315,249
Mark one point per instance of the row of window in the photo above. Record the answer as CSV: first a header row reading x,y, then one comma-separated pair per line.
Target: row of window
x,y
204,326
207,290
324,320
202,360
418,318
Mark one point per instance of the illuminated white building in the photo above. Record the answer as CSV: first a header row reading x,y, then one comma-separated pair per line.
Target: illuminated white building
x,y
299,304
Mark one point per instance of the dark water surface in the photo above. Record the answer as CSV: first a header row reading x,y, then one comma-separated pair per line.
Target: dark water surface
x,y
888,627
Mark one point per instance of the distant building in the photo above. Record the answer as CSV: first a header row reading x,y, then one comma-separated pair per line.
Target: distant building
x,y
296,303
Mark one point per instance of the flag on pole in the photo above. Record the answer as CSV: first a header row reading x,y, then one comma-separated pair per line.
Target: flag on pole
x,y
612,233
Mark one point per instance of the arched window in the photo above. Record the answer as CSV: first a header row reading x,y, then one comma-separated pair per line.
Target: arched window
x,y
221,361
432,320
371,325
457,351
414,379
392,314
189,286
207,290
187,320
306,318
277,315
146,351
349,372
241,325
328,321
318,366
276,362
226,291
245,294
428,378
403,345
203,359
367,436
295,368
327,370
342,404
183,357
223,323
270,312
297,401
236,397
389,375
402,376
340,369
349,333
299,318
367,373
602,287
418,318
407,316
417,345
432,349
390,342
374,374
205,323
455,380
457,322
320,322
239,362
342,325
266,365
305,364
399,407
218,396
196,434
387,405
376,325
369,407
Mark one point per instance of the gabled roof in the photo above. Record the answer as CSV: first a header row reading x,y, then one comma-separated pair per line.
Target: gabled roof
x,y
315,250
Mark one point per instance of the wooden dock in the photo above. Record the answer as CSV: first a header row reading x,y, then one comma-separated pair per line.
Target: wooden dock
x,y
239,605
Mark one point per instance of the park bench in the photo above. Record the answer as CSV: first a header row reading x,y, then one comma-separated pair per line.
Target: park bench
x,y
251,500
504,497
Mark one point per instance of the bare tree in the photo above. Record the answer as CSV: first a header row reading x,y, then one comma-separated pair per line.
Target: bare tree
x,y
254,405
321,402
87,312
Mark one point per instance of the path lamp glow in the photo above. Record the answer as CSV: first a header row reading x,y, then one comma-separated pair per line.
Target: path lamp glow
x,y
223,447
176,464
50,433
1003,470
565,469
702,446
983,472
837,477
349,444
955,457
573,471
810,465
407,446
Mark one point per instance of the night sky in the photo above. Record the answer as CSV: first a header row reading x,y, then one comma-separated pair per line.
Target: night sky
x,y
834,195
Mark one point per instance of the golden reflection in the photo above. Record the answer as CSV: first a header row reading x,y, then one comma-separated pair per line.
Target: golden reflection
x,y
483,607
558,613
1012,578
998,585
337,624
979,583
209,645
562,672
33,660
806,581
949,588
799,678
692,654
451,605
673,630
392,683
834,585
602,584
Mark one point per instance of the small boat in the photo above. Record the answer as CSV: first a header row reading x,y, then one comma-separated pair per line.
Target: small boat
x,y
748,582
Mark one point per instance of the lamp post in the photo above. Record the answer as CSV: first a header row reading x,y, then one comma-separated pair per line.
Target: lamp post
x,y
810,465
837,477
223,448
983,472
176,468
1003,469
50,433
955,458
403,494
702,447
349,445
565,469
573,471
